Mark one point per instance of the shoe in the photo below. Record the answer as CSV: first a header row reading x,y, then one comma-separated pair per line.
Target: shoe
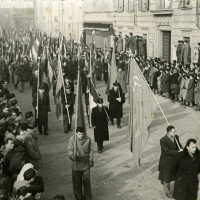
x,y
40,132
21,91
119,126
99,152
69,129
66,132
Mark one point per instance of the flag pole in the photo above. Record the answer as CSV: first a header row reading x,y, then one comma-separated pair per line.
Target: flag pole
x,y
38,81
156,101
64,85
152,93
103,106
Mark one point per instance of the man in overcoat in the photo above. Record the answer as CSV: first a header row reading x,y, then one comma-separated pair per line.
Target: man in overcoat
x,y
170,145
42,106
68,107
185,167
100,124
178,52
117,100
121,78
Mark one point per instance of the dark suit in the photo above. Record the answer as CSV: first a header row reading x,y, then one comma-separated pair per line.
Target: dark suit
x,y
43,109
116,107
168,150
70,101
185,170
100,121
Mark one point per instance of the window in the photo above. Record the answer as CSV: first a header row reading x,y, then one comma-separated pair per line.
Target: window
x,y
143,5
163,4
131,5
184,3
121,5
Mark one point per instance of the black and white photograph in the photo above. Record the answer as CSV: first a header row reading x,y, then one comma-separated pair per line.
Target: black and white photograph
x,y
99,99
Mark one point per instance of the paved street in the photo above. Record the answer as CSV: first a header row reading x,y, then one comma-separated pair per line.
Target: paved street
x,y
113,175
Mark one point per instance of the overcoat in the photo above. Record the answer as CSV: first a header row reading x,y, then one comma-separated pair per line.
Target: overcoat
x,y
165,83
168,151
98,69
187,54
43,108
197,93
100,120
119,44
182,88
189,90
185,170
175,81
178,53
121,79
115,107
34,155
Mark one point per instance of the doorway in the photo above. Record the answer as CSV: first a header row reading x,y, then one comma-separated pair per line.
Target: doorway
x,y
166,51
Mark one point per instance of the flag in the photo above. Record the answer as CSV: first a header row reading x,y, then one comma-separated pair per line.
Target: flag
x,y
58,88
112,72
80,118
142,108
35,49
93,95
50,71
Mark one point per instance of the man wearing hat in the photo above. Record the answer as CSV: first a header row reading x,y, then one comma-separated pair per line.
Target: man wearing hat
x,y
116,99
68,100
100,120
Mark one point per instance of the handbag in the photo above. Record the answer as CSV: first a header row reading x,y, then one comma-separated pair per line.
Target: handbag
x,y
174,86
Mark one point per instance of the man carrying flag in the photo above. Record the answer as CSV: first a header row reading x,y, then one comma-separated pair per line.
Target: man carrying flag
x,y
100,124
80,150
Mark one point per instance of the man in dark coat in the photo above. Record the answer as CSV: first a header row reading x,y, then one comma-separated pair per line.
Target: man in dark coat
x,y
131,43
100,124
178,52
174,85
68,103
170,146
165,84
42,107
185,167
22,74
117,100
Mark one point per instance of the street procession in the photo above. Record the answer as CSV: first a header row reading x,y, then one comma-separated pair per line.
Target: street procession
x,y
99,99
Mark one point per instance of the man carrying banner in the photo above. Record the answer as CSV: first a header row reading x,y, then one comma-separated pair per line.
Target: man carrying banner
x,y
117,100
170,146
42,106
99,120
69,104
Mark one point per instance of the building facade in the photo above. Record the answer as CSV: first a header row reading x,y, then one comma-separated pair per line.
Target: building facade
x,y
58,16
98,17
161,22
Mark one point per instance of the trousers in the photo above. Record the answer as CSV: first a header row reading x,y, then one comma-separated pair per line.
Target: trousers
x,y
82,184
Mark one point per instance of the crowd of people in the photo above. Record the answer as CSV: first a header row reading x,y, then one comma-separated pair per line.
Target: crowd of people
x,y
20,155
